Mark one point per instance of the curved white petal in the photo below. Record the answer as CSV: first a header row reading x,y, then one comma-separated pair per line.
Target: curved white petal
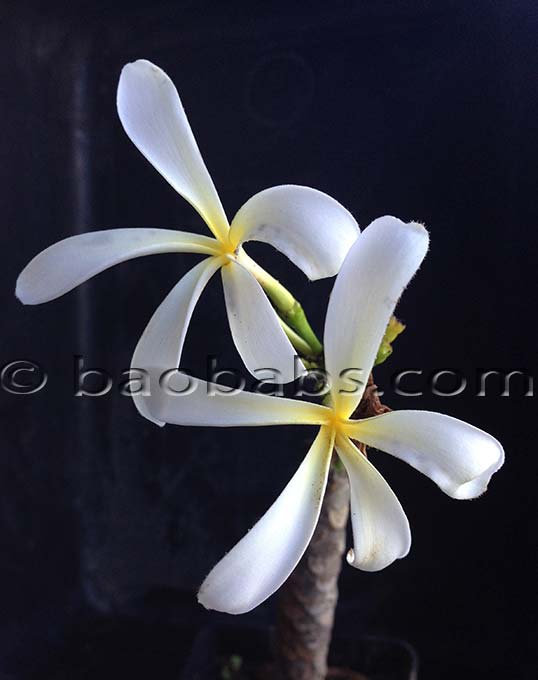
x,y
260,563
256,331
153,117
308,226
381,531
379,266
66,264
185,400
458,457
161,344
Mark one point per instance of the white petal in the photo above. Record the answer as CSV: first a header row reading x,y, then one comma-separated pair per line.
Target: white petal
x,y
256,331
381,531
153,117
185,400
260,563
379,266
161,344
308,226
66,264
458,457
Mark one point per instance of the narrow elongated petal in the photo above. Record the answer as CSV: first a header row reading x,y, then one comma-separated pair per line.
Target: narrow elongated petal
x,y
153,117
458,457
308,226
381,531
161,344
186,400
260,563
66,264
379,266
256,331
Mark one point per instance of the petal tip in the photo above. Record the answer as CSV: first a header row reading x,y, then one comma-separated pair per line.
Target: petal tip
x,y
478,485
19,293
139,64
201,600
376,562
23,294
142,405
213,604
421,230
132,76
418,227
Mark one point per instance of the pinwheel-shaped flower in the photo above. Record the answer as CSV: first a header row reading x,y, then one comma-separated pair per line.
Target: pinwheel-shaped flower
x,y
458,457
308,226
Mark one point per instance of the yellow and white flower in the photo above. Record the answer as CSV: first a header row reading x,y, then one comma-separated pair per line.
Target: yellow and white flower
x,y
308,226
458,457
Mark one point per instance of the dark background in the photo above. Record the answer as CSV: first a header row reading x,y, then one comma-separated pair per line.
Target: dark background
x,y
422,110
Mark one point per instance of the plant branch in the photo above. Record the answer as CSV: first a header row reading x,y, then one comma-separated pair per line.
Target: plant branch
x,y
307,601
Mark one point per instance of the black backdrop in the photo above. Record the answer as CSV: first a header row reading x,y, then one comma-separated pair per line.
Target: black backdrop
x,y
422,110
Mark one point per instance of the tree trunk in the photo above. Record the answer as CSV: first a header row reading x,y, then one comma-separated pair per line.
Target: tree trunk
x,y
307,601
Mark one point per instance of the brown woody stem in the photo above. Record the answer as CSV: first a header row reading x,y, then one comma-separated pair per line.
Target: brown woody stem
x,y
308,599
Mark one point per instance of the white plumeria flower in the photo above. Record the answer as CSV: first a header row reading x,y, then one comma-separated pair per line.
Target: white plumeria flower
x,y
458,457
308,226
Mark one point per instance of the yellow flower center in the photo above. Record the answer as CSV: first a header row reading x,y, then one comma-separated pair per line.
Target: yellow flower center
x,y
336,422
227,250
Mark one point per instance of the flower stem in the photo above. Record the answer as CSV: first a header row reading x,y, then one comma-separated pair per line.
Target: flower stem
x,y
289,309
302,347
